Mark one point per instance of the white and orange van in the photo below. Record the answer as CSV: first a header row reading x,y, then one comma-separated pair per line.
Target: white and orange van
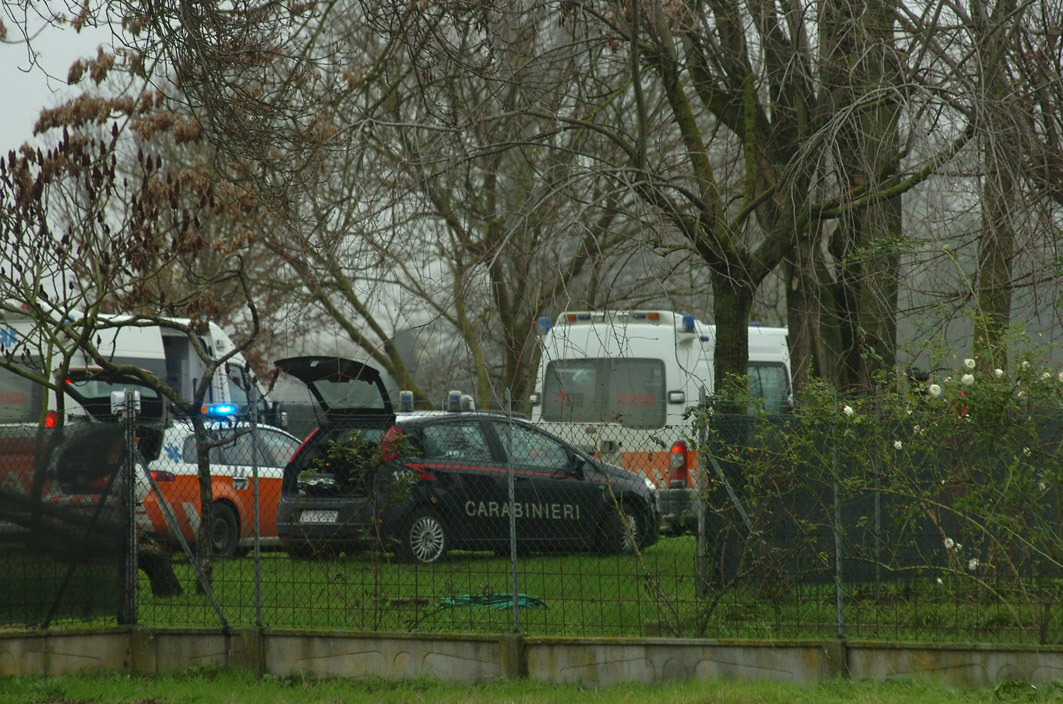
x,y
619,384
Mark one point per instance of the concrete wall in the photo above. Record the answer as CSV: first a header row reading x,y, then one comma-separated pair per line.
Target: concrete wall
x,y
591,661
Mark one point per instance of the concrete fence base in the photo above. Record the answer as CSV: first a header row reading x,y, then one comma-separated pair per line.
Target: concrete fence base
x,y
590,661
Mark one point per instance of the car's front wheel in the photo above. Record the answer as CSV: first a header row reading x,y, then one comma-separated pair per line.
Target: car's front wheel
x,y
620,531
425,538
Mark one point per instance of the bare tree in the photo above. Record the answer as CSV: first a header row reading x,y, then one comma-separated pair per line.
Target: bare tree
x,y
82,240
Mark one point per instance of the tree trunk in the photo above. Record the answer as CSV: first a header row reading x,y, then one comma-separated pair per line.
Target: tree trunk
x,y
1001,147
204,534
732,301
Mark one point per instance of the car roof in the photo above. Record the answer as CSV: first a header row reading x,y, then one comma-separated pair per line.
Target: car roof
x,y
428,417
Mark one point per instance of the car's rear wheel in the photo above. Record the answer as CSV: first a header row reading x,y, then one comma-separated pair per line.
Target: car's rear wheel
x,y
425,538
620,531
225,531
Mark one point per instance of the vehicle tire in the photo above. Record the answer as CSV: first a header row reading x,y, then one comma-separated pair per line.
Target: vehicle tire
x,y
225,531
620,531
425,538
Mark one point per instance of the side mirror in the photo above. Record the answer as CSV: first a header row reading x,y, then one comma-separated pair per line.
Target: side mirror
x,y
577,467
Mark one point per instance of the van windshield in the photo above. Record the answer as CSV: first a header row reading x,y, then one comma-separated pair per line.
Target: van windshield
x,y
602,390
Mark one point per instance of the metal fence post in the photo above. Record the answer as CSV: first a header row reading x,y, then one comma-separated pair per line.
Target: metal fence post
x,y
512,513
252,395
127,613
838,590
700,503
878,502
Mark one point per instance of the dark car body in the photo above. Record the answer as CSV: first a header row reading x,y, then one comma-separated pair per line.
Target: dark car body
x,y
425,483
64,484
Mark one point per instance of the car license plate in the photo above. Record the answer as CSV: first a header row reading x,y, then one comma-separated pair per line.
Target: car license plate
x,y
318,517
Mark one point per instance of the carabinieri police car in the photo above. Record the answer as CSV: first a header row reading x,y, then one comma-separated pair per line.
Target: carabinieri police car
x,y
424,483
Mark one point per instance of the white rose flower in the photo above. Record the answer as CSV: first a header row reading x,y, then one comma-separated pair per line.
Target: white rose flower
x,y
1025,364
972,564
998,373
897,445
949,543
967,379
939,581
934,390
848,410
1046,375
1060,376
969,363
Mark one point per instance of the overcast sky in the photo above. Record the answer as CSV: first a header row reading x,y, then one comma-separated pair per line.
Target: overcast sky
x,y
26,88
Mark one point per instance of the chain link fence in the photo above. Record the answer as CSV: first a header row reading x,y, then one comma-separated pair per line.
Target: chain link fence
x,y
794,526
63,524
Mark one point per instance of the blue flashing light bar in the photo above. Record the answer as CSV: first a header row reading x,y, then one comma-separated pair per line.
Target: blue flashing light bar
x,y
544,325
221,409
688,323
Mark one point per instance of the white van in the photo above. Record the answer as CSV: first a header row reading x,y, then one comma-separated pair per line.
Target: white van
x,y
619,384
165,351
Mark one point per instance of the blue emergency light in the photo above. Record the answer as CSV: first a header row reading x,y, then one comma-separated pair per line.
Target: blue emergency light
x,y
221,409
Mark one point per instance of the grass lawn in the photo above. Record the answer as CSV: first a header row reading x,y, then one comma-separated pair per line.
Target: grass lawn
x,y
592,595
219,687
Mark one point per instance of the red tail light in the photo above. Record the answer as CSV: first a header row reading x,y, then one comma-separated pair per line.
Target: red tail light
x,y
50,419
164,476
391,444
678,465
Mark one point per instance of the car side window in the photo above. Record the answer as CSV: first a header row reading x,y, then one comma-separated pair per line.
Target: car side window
x,y
237,451
188,451
531,448
464,441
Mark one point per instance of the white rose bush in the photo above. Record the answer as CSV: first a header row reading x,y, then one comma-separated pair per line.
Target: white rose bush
x,y
935,490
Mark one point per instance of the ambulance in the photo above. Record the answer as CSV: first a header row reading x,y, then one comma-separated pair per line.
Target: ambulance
x,y
165,351
620,385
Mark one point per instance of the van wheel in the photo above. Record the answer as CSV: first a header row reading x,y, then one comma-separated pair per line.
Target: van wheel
x,y
225,532
424,539
620,531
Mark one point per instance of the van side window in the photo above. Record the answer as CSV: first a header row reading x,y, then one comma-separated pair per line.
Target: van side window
x,y
771,383
238,384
